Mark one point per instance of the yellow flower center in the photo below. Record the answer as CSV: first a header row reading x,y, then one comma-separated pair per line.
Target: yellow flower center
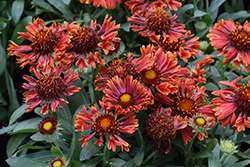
x,y
126,100
228,145
57,164
200,121
150,74
240,39
105,123
47,126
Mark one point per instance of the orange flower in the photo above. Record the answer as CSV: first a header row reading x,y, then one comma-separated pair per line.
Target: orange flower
x,y
158,70
104,122
85,40
160,126
43,40
119,67
186,102
110,4
232,105
156,20
127,93
49,87
233,40
184,46
47,125
138,5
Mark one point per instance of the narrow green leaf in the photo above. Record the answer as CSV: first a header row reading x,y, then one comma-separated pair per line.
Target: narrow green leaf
x,y
56,152
28,146
211,86
8,129
130,163
139,158
20,27
211,144
24,161
40,137
17,113
14,142
62,8
46,6
92,162
126,26
2,5
186,7
89,150
201,154
3,58
229,161
17,10
14,104
28,124
2,25
115,162
214,159
215,5
72,146
240,164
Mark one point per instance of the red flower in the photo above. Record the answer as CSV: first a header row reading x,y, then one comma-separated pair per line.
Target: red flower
x,y
104,122
57,162
138,5
85,40
110,4
184,47
186,102
127,93
232,105
233,40
43,40
47,125
156,20
49,87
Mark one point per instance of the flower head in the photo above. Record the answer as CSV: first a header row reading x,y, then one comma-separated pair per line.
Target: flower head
x,y
49,87
57,162
232,105
105,122
84,40
127,93
110,4
155,20
117,67
47,125
160,127
43,40
228,147
184,46
186,102
232,39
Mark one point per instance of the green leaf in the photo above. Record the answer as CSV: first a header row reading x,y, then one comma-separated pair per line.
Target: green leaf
x,y
62,8
28,146
40,137
201,154
14,104
215,5
18,113
211,144
126,26
240,164
89,150
3,58
17,10
56,152
46,6
130,163
229,160
214,159
20,27
2,25
240,14
199,13
29,125
211,86
139,158
14,142
24,161
115,162
92,162
7,129
186,7
2,5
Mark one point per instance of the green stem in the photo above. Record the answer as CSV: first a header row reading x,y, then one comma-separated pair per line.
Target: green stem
x,y
56,144
106,151
207,6
189,148
223,134
149,157
223,156
141,139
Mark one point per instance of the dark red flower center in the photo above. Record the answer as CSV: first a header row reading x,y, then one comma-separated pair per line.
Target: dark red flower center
x,y
149,77
158,127
240,39
184,106
105,123
84,40
242,98
47,125
44,41
158,21
172,46
126,100
50,86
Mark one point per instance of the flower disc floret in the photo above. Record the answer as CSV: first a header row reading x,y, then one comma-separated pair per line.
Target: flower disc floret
x,y
57,162
47,125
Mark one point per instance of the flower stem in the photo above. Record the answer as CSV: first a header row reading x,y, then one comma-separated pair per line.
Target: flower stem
x,y
106,151
189,148
149,157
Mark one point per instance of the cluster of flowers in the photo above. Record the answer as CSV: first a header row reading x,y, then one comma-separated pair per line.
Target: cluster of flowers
x,y
153,82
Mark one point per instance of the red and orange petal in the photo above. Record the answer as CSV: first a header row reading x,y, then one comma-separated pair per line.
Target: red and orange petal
x,y
48,88
184,46
127,93
119,67
138,5
110,4
233,40
84,41
232,105
57,162
47,125
101,122
155,20
158,70
43,40
199,73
